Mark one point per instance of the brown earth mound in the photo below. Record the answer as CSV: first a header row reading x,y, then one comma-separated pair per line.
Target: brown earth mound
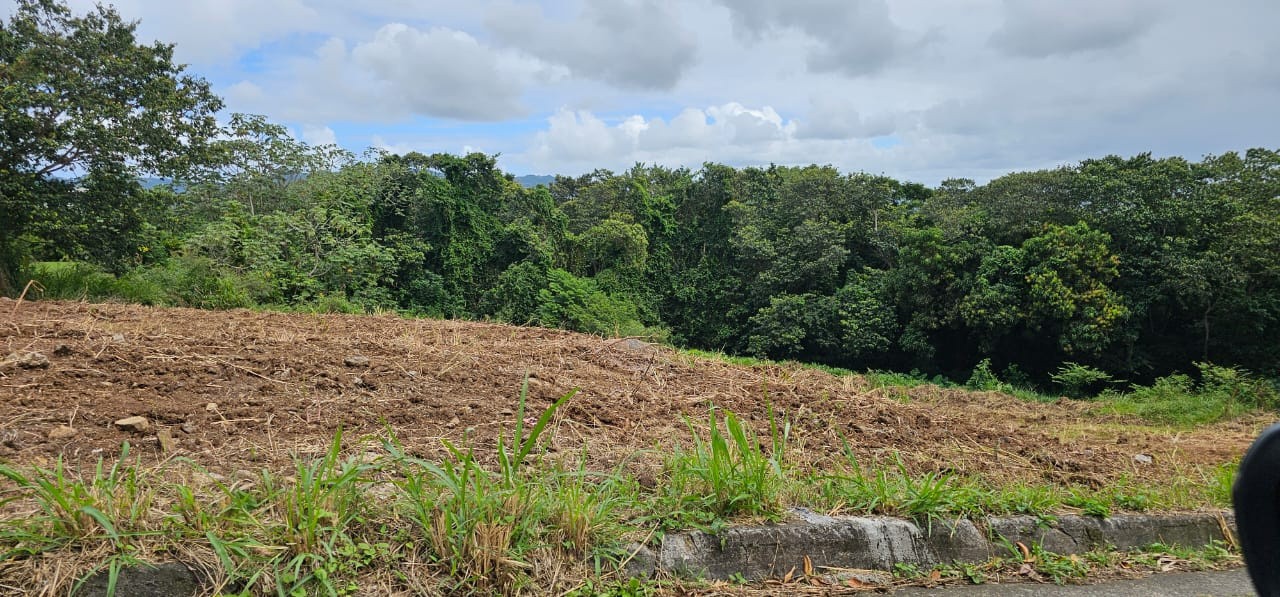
x,y
243,389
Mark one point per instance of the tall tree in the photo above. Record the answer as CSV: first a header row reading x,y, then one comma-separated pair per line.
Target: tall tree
x,y
79,94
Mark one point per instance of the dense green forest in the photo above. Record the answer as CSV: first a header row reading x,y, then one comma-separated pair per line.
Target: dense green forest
x,y
1136,266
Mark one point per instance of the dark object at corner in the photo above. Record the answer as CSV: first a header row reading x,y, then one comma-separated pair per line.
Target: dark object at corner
x,y
1256,496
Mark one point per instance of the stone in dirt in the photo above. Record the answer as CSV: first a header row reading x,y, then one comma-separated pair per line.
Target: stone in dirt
x,y
26,360
641,561
166,440
356,360
133,424
634,345
170,579
62,432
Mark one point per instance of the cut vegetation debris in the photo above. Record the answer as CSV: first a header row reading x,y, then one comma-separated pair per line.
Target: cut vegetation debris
x,y
335,454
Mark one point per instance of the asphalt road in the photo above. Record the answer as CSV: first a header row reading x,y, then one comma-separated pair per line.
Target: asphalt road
x,y
1231,583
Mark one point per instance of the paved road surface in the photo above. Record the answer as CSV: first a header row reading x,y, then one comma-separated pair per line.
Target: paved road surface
x,y
1232,583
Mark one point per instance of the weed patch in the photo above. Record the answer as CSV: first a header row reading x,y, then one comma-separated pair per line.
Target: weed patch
x,y
1222,393
726,473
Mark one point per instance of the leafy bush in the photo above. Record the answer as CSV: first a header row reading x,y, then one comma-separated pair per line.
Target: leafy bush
x,y
1013,375
75,280
199,282
578,304
1237,386
1222,393
1078,380
333,303
983,378
515,296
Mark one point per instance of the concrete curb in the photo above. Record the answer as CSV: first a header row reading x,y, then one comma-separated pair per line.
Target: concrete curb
x,y
877,543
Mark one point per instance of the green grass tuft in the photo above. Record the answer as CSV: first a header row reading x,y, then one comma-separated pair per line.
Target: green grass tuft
x,y
1223,393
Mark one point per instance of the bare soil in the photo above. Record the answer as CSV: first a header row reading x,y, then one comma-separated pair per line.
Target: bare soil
x,y
241,390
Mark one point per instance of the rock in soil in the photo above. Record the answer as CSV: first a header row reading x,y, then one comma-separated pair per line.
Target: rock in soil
x,y
25,360
170,579
356,360
166,440
133,424
62,432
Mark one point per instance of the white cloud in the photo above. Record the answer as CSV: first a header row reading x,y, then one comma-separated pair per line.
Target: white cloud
x,y
717,133
379,142
423,146
853,37
1037,28
633,44
244,93
398,73
318,135
215,30
834,118
442,72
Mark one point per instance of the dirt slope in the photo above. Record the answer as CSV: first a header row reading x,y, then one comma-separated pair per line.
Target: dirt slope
x,y
243,389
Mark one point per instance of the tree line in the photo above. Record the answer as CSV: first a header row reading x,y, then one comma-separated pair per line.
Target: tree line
x,y
1137,266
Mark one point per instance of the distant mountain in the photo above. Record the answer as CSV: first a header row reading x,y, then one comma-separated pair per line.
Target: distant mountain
x,y
529,181
152,182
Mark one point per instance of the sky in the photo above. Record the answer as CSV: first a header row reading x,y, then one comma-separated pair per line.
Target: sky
x,y
922,90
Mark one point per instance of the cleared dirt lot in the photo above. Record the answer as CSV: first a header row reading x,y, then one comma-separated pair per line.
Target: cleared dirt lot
x,y
243,390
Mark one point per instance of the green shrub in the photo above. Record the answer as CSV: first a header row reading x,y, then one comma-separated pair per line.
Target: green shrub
x,y
198,282
1222,393
912,379
1014,376
1237,386
333,303
71,280
727,473
577,304
983,378
1078,380
74,280
133,287
515,296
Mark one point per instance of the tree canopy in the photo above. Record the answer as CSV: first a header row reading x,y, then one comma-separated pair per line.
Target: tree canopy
x,y
79,96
